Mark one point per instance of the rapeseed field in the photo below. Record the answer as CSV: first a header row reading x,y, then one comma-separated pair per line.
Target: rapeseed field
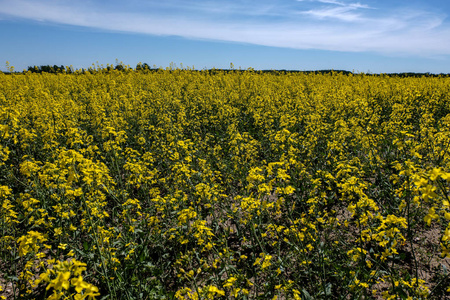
x,y
183,184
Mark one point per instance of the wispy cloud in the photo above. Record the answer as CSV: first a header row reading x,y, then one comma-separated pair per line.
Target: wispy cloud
x,y
308,24
354,5
342,11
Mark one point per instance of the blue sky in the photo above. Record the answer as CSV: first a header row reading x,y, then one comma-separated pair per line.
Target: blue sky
x,y
365,36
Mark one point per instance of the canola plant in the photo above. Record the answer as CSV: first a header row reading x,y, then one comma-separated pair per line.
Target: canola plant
x,y
184,184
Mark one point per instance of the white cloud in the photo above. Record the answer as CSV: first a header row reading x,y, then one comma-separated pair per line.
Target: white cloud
x,y
323,24
340,3
340,13
339,10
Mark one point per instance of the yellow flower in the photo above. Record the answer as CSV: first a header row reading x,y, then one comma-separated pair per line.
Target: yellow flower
x,y
266,262
60,282
230,281
212,291
431,216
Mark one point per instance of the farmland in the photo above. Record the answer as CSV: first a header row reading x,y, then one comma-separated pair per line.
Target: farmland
x,y
183,184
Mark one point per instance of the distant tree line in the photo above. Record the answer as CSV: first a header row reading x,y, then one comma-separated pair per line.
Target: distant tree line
x,y
49,69
142,67
145,67
62,69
